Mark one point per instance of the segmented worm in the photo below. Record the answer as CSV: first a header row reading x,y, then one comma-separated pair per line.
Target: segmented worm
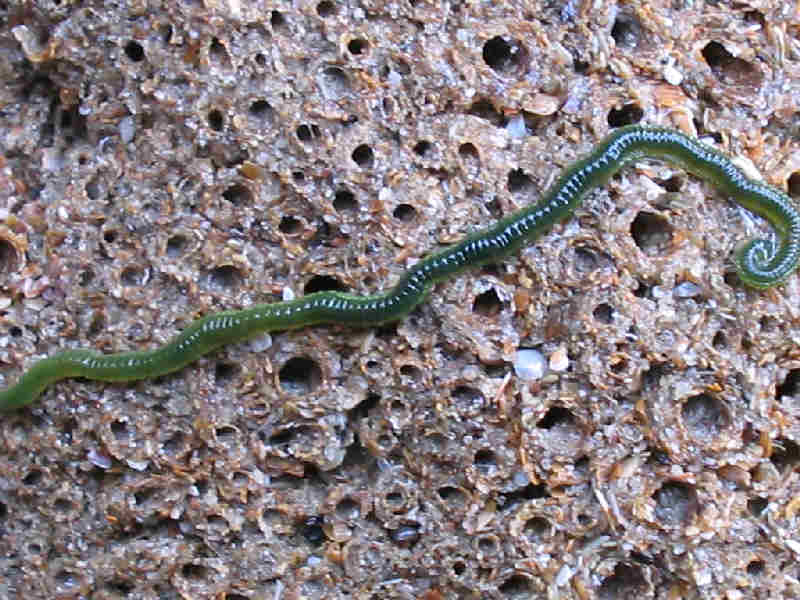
x,y
760,264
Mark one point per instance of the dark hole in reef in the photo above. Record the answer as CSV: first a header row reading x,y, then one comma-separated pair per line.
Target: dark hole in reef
x,y
386,441
585,260
68,428
226,434
704,416
33,477
334,84
467,400
626,580
483,109
225,276
768,324
652,233
362,409
673,184
404,212
176,244
290,225
120,430
537,529
277,20
396,501
412,372
749,433
357,46
194,571
675,503
643,559
582,466
67,579
517,587
326,9
94,189
217,524
580,66
217,49
73,124
487,544
96,325
174,444
454,497
785,453
422,147
344,201
133,276
627,115
556,416
503,56
642,290
9,260
530,492
603,313
238,194
729,68
386,331
747,343
148,120
619,366
312,530
306,133
134,51
300,375
363,156
406,535
347,508
487,304
468,150
165,32
225,372
215,120
261,109
790,385
283,437
485,460
626,31
720,342
323,283
755,567
519,182
144,495
110,236
124,588
731,278
794,184
756,506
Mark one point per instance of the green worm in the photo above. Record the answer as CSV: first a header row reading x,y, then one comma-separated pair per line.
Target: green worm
x,y
760,263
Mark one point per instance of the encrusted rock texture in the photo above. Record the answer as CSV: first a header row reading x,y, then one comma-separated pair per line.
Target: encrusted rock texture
x,y
608,414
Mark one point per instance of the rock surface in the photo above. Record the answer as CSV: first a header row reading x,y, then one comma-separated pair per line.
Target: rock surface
x,y
163,160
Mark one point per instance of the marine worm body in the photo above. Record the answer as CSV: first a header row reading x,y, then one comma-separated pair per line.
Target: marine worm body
x,y
760,264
